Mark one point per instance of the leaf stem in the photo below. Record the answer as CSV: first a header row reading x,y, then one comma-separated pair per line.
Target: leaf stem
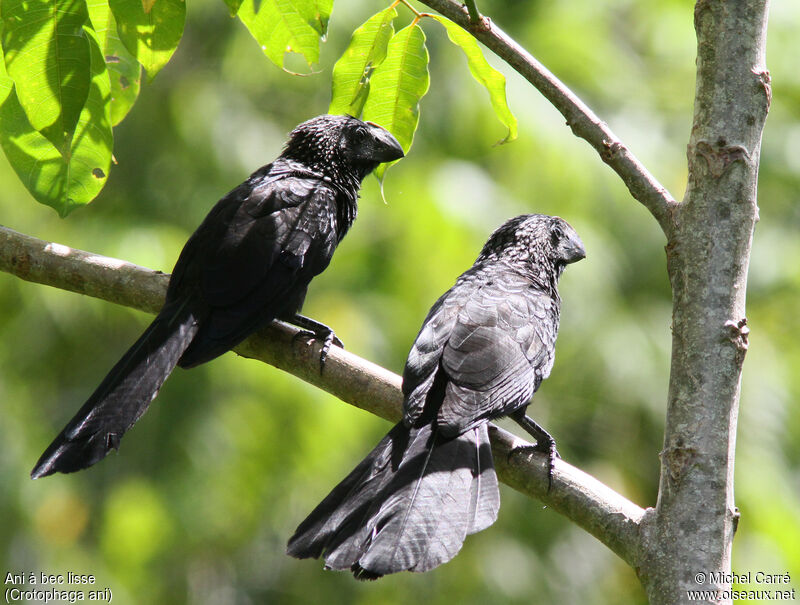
x,y
417,15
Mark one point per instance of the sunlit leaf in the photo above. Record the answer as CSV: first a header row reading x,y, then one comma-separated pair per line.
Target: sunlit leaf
x,y
6,83
123,68
492,80
67,181
317,14
282,26
352,71
397,86
152,36
47,56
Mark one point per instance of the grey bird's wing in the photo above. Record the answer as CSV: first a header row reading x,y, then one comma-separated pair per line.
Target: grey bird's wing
x,y
493,339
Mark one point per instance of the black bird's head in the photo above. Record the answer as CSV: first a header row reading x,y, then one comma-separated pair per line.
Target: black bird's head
x,y
342,147
537,242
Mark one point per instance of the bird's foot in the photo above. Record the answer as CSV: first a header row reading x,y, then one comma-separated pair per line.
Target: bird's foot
x,y
542,446
315,330
544,442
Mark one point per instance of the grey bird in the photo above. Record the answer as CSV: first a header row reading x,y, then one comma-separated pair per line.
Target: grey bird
x,y
482,352
248,263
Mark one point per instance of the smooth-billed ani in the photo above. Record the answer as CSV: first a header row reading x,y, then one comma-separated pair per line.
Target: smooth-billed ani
x,y
482,352
249,262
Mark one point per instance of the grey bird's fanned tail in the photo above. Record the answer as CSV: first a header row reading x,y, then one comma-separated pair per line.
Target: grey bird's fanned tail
x,y
122,397
408,505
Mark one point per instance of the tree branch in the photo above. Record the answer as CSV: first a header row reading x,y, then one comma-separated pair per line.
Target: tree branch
x,y
584,123
608,516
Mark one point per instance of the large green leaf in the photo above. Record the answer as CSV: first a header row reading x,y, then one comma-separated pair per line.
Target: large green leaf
x,y
352,71
492,80
150,36
397,86
47,55
123,68
282,26
67,181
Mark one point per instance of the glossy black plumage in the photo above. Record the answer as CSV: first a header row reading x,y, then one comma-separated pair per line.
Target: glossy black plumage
x,y
481,353
249,262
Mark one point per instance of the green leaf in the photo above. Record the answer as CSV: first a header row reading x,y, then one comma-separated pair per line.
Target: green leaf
x,y
47,56
317,14
352,71
151,36
6,83
492,80
282,26
397,86
123,68
233,6
67,181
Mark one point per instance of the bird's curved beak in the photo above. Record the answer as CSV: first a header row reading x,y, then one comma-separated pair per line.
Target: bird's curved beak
x,y
383,147
573,249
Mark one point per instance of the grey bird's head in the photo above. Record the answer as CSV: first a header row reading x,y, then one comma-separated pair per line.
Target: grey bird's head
x,y
535,242
343,148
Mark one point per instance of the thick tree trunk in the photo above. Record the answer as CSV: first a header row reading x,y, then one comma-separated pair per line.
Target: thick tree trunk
x,y
687,539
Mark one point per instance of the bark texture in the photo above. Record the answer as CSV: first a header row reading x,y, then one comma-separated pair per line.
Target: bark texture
x,y
691,529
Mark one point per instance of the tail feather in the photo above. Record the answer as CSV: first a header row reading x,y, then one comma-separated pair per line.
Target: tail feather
x,y
408,506
485,492
122,397
343,511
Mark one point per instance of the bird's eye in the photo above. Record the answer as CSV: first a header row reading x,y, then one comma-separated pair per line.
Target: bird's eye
x,y
557,233
361,134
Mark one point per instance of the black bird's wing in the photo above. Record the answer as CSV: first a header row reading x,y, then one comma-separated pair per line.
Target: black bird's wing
x,y
422,365
493,339
251,260
500,349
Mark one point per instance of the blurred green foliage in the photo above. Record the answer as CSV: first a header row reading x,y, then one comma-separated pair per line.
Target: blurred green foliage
x,y
197,506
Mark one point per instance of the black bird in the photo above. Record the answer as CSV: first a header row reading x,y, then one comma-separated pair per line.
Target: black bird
x,y
482,352
249,262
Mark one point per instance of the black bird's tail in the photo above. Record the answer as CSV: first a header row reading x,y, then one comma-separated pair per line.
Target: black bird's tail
x,y
122,397
408,505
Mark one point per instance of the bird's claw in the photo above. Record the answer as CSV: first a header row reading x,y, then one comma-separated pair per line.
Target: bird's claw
x,y
328,340
542,446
